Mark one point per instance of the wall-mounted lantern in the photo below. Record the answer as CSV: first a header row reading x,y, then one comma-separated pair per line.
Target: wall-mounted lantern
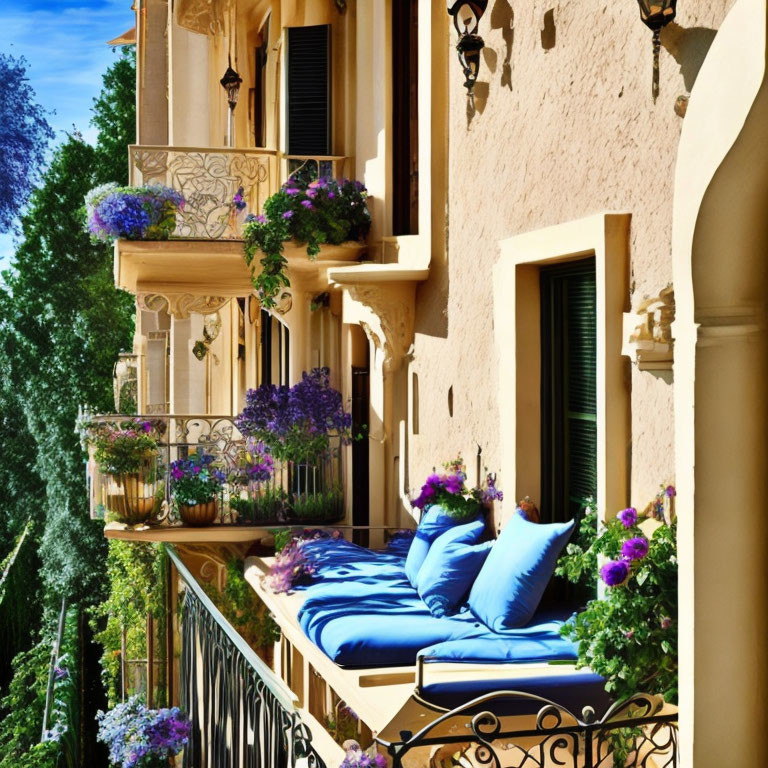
x,y
466,18
231,84
656,14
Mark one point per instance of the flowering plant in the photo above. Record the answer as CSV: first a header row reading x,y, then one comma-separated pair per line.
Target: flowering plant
x,y
297,422
138,737
312,212
356,757
629,635
122,448
292,565
133,213
449,490
196,480
254,464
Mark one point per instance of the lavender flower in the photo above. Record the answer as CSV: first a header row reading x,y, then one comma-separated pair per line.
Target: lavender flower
x,y
288,214
133,213
137,736
308,205
238,201
628,517
196,480
615,572
635,549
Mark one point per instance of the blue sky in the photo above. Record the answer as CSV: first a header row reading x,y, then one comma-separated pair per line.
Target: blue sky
x,y
64,42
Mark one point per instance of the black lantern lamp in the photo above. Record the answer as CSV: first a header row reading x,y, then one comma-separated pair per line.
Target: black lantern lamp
x,y
231,84
467,15
656,14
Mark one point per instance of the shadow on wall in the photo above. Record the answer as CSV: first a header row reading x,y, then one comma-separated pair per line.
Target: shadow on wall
x,y
503,18
549,31
688,47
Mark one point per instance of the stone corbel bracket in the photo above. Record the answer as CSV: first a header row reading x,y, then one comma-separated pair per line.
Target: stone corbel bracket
x,y
392,304
647,332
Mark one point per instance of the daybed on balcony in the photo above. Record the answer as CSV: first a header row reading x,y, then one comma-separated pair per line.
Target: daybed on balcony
x,y
363,627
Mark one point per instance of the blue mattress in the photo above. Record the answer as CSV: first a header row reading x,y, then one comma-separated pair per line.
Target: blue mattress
x,y
361,611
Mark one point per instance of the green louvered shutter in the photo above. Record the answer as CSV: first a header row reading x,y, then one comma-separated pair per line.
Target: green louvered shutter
x,y
569,388
308,90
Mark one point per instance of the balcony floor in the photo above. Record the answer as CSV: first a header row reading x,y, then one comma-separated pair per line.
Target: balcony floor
x,y
209,534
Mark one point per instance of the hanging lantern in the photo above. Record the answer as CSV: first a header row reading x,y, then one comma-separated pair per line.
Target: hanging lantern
x,y
466,19
656,14
231,84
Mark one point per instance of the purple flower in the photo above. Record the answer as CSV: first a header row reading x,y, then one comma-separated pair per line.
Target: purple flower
x,y
454,484
291,191
288,214
60,673
615,572
331,195
628,517
308,205
670,491
635,549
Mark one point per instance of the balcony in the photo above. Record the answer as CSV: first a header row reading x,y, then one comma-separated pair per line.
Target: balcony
x,y
141,505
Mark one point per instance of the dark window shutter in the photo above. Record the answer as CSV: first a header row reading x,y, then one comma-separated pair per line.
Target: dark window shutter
x,y
309,90
569,388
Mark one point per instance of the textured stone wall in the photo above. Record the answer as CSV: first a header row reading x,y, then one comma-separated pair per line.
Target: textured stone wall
x,y
564,126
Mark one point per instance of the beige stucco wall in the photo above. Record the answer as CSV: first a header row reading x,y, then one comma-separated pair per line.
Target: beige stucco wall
x,y
564,126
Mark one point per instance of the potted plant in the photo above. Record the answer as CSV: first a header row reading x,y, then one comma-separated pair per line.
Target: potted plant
x,y
302,426
311,212
126,454
255,468
132,213
139,737
449,490
196,484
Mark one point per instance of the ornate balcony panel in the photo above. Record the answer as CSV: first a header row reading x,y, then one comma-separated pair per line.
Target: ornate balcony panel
x,y
208,179
511,729
298,492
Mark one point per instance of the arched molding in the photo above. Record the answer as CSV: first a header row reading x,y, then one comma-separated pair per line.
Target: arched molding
x,y
719,242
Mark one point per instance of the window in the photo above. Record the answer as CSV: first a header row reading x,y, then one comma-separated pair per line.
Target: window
x,y
275,351
405,117
568,388
260,89
308,90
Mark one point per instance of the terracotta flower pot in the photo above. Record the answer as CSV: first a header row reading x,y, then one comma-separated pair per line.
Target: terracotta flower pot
x,y
133,497
198,514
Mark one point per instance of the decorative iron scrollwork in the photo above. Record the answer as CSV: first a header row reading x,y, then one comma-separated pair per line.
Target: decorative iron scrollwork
x,y
208,180
642,728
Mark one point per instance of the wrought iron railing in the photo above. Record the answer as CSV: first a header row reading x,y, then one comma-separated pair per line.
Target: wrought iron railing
x,y
511,729
208,179
298,492
242,714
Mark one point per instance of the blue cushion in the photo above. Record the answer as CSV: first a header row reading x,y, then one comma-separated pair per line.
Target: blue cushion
x,y
452,564
433,522
510,584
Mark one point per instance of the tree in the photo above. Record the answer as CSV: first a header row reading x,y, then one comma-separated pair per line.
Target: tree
x,y
114,114
24,137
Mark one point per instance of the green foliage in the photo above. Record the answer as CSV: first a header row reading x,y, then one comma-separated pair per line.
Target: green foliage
x,y
311,212
243,609
324,506
23,705
629,636
136,584
579,563
20,610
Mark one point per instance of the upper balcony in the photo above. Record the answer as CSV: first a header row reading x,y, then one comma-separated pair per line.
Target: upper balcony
x,y
205,252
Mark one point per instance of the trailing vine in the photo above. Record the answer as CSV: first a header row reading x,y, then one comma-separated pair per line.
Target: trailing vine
x,y
243,609
136,587
311,212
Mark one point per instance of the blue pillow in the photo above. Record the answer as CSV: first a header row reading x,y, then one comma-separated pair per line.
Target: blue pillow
x,y
513,578
452,564
433,522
